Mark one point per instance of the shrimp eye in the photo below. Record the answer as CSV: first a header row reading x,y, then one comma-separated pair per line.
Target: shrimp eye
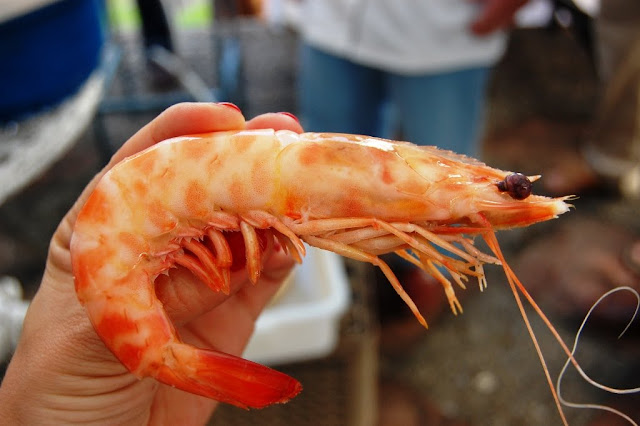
x,y
517,185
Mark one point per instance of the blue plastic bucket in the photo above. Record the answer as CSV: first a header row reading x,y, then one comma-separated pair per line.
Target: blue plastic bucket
x,y
47,54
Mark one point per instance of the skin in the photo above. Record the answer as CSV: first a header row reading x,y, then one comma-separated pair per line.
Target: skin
x,y
62,373
495,15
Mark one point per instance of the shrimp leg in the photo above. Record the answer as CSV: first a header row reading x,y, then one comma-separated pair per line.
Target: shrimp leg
x,y
356,254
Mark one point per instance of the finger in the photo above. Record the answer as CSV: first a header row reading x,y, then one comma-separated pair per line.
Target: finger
x,y
193,118
273,275
276,121
495,15
185,297
229,327
177,120
183,119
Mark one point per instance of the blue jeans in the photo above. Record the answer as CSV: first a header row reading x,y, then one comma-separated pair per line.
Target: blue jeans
x,y
442,109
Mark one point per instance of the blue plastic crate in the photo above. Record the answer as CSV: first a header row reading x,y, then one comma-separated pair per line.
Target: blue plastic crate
x,y
47,54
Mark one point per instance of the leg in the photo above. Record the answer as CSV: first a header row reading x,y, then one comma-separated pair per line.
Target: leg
x,y
443,109
356,254
252,251
337,95
367,237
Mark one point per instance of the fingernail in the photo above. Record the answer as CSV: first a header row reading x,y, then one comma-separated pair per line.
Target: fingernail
x,y
230,105
288,114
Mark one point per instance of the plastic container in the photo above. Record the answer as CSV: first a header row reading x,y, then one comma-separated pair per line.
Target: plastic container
x,y
304,322
46,54
13,308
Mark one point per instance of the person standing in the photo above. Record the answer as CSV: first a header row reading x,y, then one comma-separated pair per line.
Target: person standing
x,y
415,70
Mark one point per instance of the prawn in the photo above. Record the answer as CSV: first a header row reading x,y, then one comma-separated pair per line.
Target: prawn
x,y
179,202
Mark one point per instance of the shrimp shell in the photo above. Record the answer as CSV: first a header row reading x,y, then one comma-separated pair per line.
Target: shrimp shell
x,y
177,204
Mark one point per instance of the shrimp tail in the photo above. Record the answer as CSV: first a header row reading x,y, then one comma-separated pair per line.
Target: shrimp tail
x,y
227,378
148,345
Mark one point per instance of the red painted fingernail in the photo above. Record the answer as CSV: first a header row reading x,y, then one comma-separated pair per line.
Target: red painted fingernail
x,y
230,105
288,114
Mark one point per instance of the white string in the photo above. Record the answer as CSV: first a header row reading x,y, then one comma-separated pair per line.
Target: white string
x,y
585,376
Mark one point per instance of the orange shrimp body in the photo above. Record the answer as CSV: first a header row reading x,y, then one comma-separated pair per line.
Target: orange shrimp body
x,y
177,203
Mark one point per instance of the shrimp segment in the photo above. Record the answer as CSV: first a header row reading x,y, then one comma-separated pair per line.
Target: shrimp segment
x,y
185,202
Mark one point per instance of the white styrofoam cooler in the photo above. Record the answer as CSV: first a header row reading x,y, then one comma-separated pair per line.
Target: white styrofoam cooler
x,y
304,321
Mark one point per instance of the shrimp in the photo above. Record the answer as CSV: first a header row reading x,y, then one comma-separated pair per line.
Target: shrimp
x,y
178,204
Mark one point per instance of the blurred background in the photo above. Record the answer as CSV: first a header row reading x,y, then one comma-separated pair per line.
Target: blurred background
x,y
549,108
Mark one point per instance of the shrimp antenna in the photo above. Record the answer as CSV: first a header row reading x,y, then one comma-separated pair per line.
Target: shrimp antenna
x,y
515,285
585,376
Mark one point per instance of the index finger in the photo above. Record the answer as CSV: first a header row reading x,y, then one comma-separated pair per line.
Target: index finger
x,y
183,119
276,121
177,120
495,15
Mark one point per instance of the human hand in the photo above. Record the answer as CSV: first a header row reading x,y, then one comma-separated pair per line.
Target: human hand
x,y
62,373
496,15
